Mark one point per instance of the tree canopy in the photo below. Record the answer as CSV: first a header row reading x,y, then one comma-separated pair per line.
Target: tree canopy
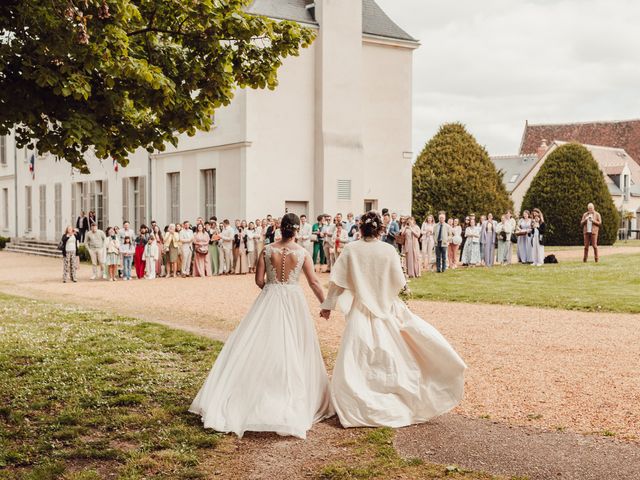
x,y
455,174
569,179
117,75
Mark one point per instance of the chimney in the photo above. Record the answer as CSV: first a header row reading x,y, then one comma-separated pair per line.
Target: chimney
x,y
542,149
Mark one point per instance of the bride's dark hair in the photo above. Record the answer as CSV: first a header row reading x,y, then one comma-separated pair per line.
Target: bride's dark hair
x,y
371,225
289,225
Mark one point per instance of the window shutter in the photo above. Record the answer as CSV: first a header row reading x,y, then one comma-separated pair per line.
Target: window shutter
x,y
74,196
58,209
142,195
125,201
105,202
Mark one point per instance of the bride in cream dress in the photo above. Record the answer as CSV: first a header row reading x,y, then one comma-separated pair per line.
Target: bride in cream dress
x,y
270,376
393,368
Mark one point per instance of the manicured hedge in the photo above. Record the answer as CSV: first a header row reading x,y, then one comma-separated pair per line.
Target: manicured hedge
x,y
455,174
568,180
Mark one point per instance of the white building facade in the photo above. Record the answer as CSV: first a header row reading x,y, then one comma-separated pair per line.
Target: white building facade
x,y
335,136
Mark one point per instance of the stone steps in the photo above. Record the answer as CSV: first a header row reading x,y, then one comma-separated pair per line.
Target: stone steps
x,y
33,247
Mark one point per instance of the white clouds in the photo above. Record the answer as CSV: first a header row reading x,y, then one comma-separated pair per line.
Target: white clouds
x,y
496,63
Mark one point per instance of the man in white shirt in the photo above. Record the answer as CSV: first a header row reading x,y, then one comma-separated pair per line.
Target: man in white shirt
x,y
96,242
186,240
304,235
226,236
348,225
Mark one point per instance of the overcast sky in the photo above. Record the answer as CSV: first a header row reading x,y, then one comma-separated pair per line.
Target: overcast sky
x,y
493,64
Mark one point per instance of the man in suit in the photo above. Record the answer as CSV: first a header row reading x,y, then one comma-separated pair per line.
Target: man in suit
x,y
591,221
441,238
82,225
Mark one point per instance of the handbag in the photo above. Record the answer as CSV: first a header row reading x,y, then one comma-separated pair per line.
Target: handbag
x,y
202,249
314,237
514,238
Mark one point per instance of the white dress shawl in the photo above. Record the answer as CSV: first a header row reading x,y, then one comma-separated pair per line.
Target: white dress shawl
x,y
393,368
369,272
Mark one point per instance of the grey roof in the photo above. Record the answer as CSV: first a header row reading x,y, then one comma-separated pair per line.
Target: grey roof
x,y
614,189
374,20
283,10
514,167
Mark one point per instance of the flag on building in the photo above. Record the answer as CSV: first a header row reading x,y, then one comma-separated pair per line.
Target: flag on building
x,y
32,166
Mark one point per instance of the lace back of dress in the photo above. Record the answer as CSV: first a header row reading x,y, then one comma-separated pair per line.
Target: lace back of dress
x,y
283,264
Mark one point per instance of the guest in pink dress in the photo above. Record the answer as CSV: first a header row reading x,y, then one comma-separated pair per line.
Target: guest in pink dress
x,y
202,262
411,247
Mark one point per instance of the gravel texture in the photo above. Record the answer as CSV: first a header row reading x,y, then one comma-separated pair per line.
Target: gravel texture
x,y
524,452
544,369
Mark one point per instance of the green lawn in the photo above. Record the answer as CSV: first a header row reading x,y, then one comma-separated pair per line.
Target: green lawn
x,y
612,285
85,394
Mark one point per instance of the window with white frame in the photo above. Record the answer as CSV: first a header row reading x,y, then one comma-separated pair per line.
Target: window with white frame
x,y
134,201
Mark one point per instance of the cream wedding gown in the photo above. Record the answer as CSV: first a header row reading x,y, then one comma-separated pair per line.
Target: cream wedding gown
x,y
270,376
393,368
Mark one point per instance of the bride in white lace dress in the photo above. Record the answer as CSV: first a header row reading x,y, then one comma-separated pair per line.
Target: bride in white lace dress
x,y
270,376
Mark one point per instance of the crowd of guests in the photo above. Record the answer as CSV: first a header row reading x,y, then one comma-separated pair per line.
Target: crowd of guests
x,y
223,248
441,242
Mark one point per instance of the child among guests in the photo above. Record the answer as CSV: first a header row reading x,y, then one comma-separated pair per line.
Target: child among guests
x,y
113,253
127,250
150,256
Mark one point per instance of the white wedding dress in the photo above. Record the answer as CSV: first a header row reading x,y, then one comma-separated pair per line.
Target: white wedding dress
x,y
393,368
270,375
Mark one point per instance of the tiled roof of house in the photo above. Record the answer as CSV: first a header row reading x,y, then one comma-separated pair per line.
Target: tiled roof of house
x,y
514,168
620,134
374,20
612,161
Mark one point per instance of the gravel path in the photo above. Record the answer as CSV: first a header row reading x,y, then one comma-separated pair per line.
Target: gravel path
x,y
546,369
483,445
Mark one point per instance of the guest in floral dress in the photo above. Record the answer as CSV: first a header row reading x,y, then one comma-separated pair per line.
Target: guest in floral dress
x,y
471,253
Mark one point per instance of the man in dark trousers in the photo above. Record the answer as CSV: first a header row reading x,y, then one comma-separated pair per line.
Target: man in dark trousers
x,y
82,225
